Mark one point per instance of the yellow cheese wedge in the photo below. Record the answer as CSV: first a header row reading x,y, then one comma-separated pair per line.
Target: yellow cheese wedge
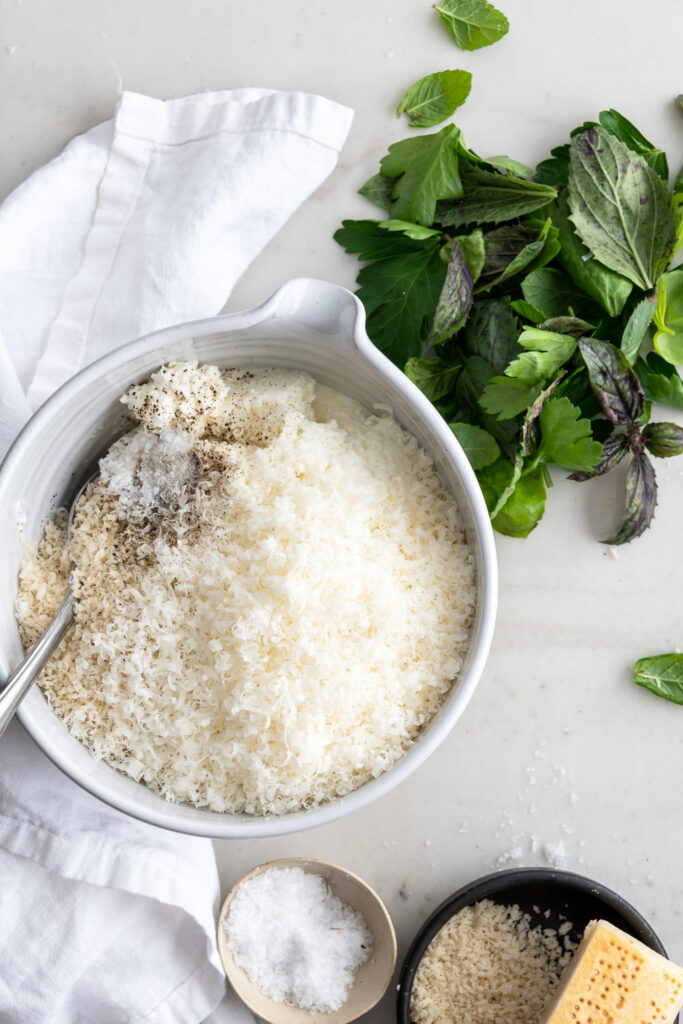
x,y
615,979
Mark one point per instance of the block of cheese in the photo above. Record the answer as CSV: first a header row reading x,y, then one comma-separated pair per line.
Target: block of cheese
x,y
615,979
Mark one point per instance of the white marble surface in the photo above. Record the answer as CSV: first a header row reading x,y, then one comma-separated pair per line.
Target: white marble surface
x,y
557,743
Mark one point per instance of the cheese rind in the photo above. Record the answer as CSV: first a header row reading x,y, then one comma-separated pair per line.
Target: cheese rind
x,y
615,979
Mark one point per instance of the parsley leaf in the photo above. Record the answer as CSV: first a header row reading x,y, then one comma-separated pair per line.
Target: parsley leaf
x,y
370,240
566,439
400,294
435,97
378,190
426,170
472,23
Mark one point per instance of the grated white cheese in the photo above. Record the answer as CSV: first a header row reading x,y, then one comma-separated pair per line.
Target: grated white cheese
x,y
488,964
274,593
297,942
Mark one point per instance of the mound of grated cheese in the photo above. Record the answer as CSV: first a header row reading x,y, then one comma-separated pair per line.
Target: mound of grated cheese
x,y
273,593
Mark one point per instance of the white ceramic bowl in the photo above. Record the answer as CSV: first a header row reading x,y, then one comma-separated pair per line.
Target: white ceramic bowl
x,y
307,325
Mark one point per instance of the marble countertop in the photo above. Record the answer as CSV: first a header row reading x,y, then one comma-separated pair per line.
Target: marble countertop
x,y
557,745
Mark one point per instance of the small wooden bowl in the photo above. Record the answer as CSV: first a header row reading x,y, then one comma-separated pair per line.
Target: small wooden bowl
x,y
372,979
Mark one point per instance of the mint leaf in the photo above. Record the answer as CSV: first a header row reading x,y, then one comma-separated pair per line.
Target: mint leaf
x,y
621,207
636,329
378,190
425,169
566,439
616,124
489,198
434,377
472,23
435,97
614,449
455,300
400,294
668,338
613,380
369,240
641,498
662,674
477,444
605,287
663,439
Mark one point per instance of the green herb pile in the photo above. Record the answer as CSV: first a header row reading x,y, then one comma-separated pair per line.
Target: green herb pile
x,y
537,310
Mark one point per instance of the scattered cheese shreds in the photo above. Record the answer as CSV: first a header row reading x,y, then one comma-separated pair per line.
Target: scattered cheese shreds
x,y
274,593
297,942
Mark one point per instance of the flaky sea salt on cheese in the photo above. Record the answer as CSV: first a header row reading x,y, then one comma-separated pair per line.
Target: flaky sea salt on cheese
x,y
615,979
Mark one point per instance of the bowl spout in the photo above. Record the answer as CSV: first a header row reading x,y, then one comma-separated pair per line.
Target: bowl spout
x,y
321,307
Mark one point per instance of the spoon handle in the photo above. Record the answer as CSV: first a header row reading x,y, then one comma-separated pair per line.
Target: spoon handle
x,y
13,691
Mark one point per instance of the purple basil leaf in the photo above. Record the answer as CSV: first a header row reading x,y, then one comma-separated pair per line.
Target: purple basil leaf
x,y
663,439
455,300
613,451
614,382
641,498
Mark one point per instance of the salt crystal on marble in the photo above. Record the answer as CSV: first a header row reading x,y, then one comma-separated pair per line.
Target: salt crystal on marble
x,y
555,854
298,943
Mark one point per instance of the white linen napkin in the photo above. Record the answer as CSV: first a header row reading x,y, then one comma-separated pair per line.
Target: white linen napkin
x,y
146,220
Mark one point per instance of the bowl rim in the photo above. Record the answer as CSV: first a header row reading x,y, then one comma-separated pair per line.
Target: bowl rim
x,y
214,825
227,960
493,884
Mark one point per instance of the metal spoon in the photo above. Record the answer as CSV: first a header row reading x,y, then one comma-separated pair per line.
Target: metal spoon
x,y
19,682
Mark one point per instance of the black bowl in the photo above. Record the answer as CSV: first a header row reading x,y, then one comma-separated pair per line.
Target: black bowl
x,y
535,890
